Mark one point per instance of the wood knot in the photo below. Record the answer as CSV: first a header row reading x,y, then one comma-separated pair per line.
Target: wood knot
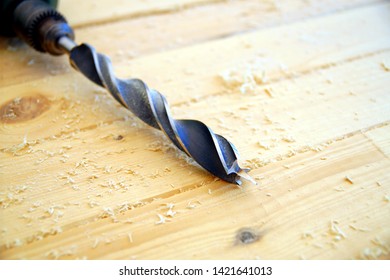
x,y
118,137
23,108
247,236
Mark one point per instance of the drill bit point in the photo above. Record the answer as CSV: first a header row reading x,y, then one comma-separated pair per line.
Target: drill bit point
x,y
244,175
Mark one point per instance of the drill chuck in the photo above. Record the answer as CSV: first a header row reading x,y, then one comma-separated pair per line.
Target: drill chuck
x,y
40,26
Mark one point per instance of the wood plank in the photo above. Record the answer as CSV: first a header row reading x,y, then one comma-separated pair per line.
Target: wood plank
x,y
110,174
93,183
72,91
276,213
170,31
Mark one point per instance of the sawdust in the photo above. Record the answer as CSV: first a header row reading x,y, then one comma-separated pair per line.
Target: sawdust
x,y
339,189
336,231
379,248
371,253
263,145
356,228
250,77
95,243
385,65
192,205
108,212
155,146
62,252
15,195
93,204
130,237
170,213
288,138
162,219
269,91
22,148
348,179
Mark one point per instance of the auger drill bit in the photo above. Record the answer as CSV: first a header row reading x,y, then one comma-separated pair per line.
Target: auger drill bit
x,y
46,30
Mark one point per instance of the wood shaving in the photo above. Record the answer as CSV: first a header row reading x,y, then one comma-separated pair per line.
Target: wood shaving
x,y
161,220
170,213
95,243
130,236
50,211
59,253
192,205
336,231
348,179
385,66
93,203
107,169
269,91
155,146
307,234
263,145
371,253
359,228
247,77
378,242
288,138
107,212
22,148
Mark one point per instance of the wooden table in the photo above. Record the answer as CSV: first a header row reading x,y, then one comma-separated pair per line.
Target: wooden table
x,y
300,87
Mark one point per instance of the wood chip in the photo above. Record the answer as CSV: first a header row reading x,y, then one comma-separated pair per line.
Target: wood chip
x,y
358,228
130,236
336,231
385,66
348,179
161,220
307,234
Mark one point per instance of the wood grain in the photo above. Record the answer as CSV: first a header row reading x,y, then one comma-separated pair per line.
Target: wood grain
x,y
304,97
198,24
91,12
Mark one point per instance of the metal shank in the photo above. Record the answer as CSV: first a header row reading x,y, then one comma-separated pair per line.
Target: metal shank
x,y
212,151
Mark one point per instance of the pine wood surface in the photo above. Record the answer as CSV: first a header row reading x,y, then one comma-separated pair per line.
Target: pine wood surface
x,y
300,87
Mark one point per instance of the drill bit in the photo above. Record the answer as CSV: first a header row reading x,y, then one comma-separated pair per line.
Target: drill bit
x,y
211,151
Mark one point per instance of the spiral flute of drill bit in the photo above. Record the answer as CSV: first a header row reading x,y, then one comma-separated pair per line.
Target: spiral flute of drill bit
x,y
212,151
